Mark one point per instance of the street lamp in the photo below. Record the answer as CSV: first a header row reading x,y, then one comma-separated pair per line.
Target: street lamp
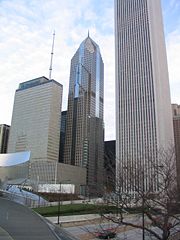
x,y
59,203
59,200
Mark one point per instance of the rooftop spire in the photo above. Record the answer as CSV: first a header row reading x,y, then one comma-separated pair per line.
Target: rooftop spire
x,y
88,33
52,52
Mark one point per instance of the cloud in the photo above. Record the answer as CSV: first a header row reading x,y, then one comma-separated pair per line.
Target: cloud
x,y
173,54
26,39
25,46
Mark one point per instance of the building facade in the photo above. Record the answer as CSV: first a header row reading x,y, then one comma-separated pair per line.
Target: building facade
x,y
62,136
143,107
110,164
4,136
36,119
175,110
176,125
51,172
84,128
14,170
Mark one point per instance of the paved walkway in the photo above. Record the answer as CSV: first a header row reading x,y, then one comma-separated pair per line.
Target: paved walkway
x,y
74,218
4,235
18,222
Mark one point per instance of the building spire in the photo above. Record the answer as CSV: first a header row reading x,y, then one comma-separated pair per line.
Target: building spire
x,y
52,52
88,33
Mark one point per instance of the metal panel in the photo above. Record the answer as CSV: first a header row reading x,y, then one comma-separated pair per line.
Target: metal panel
x,y
13,159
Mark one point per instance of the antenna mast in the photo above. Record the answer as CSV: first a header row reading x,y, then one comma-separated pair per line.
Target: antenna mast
x,y
52,52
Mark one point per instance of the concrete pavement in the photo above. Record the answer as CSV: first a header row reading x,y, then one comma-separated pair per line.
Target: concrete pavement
x,y
18,222
4,235
74,218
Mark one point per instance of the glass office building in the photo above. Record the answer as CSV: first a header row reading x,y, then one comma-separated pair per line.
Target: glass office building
x,y
84,128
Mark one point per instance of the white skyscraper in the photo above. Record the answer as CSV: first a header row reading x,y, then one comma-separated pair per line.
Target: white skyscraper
x,y
143,107
36,119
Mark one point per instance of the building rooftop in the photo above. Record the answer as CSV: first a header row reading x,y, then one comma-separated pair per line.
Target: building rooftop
x,y
35,82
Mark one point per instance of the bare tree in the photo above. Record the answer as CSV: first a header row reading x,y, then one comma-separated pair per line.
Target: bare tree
x,y
154,194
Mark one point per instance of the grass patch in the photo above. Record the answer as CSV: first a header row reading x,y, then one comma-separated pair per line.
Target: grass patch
x,y
75,209
83,208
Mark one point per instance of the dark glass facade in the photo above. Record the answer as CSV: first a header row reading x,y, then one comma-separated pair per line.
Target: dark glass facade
x,y
84,128
62,136
4,136
110,164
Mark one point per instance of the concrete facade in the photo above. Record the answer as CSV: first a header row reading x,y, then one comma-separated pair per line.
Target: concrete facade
x,y
36,119
143,106
51,172
35,127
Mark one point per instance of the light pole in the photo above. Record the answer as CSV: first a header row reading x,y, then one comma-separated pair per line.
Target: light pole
x,y
59,201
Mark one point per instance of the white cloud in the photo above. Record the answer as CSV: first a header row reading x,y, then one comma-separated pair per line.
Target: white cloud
x,y
25,46
173,54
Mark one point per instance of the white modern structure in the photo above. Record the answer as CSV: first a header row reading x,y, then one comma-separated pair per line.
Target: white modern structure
x,y
14,166
15,169
143,107
36,119
51,172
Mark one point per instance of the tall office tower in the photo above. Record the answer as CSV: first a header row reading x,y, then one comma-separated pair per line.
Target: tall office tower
x,y
84,129
143,107
176,125
36,119
4,135
62,136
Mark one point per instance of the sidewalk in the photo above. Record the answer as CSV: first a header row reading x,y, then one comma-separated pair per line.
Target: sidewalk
x,y
74,218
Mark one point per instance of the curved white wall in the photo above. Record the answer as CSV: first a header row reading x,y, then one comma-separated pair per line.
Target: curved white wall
x,y
14,166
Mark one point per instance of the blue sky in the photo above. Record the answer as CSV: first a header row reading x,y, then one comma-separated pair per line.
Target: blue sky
x,y
26,38
171,12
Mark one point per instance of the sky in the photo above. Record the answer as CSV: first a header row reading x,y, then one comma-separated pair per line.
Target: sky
x,y
26,41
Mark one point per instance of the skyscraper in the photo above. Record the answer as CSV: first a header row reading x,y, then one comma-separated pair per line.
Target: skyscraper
x,y
36,119
84,129
62,136
4,136
143,108
176,125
